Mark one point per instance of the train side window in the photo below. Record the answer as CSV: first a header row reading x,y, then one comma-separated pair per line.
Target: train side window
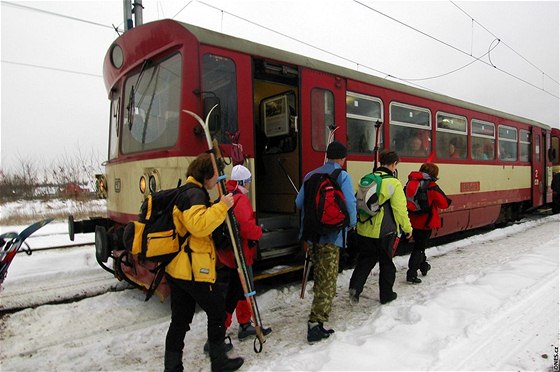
x,y
451,141
524,145
483,138
152,107
507,143
322,117
219,79
362,112
410,131
114,127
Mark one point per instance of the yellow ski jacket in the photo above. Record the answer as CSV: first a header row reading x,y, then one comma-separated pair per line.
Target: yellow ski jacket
x,y
194,213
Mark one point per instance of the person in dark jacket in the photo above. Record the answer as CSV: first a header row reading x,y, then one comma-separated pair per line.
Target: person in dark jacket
x,y
193,213
423,223
325,252
555,186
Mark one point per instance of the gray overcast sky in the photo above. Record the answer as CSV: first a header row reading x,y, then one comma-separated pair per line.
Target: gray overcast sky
x,y
54,104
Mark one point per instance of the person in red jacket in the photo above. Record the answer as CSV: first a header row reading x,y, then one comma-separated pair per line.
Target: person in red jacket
x,y
250,233
423,223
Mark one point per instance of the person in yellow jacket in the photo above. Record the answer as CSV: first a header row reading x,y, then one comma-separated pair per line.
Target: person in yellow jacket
x,y
191,275
376,234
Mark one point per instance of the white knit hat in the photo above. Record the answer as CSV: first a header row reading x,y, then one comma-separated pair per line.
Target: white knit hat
x,y
241,174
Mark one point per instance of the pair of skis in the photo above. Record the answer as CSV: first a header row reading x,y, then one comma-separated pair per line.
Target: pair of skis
x,y
12,242
231,222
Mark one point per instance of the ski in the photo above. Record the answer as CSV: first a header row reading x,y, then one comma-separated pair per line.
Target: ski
x,y
233,229
11,242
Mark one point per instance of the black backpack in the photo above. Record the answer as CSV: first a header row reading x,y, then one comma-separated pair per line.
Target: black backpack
x,y
324,206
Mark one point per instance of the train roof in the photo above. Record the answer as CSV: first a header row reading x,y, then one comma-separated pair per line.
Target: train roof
x,y
210,37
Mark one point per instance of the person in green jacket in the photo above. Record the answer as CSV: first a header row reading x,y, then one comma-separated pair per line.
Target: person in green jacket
x,y
376,234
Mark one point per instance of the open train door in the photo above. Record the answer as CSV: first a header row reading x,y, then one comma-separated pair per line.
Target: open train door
x,y
538,166
323,104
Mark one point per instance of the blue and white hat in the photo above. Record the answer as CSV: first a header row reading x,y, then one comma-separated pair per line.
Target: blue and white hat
x,y
241,174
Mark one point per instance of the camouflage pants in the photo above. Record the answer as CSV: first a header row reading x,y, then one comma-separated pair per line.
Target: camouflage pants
x,y
325,273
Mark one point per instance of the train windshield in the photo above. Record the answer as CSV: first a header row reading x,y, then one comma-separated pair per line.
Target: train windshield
x,y
151,115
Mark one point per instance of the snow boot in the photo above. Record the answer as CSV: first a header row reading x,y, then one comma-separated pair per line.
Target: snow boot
x,y
227,342
424,268
173,361
389,299
247,329
220,361
316,332
414,280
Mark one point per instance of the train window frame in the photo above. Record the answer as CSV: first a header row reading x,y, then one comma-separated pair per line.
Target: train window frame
x,y
364,124
507,147
524,144
483,139
450,138
320,126
160,130
227,95
417,137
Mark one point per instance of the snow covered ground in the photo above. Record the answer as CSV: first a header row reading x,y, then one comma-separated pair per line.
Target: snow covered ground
x,y
490,302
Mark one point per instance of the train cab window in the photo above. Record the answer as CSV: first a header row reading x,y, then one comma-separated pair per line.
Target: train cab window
x,y
451,141
362,112
219,79
410,131
483,138
151,117
322,117
524,145
507,143
114,127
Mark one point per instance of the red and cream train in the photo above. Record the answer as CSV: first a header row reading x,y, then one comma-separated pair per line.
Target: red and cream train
x,y
283,105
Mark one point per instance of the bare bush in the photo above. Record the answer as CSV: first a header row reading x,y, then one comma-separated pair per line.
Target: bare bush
x,y
21,183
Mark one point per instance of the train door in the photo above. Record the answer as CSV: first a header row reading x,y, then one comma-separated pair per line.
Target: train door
x,y
538,166
323,107
277,153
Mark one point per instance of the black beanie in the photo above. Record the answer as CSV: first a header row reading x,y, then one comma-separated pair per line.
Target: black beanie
x,y
336,150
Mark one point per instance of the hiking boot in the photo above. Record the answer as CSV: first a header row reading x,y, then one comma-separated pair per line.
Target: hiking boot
x,y
220,361
414,280
227,342
173,361
387,300
316,332
424,268
247,329
354,298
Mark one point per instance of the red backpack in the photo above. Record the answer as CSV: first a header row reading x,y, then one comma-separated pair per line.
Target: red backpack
x,y
324,206
416,192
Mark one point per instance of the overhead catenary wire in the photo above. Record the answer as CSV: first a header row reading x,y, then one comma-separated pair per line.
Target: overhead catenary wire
x,y
504,43
51,68
457,49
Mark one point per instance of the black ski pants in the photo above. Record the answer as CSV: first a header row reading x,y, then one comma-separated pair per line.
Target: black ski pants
x,y
371,251
418,255
184,297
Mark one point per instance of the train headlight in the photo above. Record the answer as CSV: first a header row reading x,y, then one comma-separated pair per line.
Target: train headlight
x,y
152,183
142,184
